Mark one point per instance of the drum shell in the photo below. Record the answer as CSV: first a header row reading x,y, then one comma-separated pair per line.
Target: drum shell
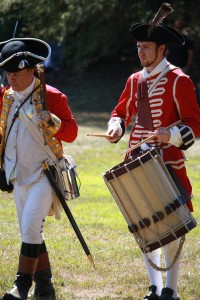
x,y
142,187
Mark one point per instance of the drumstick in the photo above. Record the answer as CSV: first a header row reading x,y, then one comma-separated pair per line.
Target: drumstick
x,y
100,135
149,138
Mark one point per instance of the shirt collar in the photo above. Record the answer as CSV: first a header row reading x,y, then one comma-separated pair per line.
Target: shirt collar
x,y
161,66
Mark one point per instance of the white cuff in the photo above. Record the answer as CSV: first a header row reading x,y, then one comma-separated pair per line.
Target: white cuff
x,y
115,124
175,138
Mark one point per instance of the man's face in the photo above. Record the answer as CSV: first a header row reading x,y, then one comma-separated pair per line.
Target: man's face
x,y
150,54
20,80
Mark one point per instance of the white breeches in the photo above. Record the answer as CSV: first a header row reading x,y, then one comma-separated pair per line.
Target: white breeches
x,y
33,202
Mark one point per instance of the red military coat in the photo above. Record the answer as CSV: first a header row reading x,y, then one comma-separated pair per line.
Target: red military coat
x,y
58,105
172,99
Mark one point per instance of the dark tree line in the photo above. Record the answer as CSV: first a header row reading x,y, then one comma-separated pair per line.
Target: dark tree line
x,y
89,30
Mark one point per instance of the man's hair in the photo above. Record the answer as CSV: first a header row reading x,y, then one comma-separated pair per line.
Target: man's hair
x,y
166,47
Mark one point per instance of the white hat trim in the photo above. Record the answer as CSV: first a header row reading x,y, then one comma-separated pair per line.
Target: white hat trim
x,y
26,53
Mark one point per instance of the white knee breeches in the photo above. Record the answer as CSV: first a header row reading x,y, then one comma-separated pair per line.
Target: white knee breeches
x,y
33,202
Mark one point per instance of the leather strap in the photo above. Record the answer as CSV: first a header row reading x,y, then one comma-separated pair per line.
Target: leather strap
x,y
143,106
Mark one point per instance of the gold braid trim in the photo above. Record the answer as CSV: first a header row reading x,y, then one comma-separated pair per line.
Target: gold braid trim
x,y
7,102
50,131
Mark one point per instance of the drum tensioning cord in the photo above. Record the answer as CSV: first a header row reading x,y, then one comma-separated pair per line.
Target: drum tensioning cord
x,y
164,269
182,240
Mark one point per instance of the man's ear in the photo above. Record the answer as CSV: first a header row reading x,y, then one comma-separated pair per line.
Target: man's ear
x,y
31,70
163,49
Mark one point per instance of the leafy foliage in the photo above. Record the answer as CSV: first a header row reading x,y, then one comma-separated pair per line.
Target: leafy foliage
x,y
89,30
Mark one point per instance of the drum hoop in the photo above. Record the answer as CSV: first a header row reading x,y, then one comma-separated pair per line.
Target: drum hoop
x,y
129,164
176,256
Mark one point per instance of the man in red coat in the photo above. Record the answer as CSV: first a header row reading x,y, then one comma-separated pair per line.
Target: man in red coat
x,y
22,157
169,96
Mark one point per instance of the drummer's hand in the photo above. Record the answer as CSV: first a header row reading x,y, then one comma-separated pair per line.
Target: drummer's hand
x,y
115,135
163,134
44,118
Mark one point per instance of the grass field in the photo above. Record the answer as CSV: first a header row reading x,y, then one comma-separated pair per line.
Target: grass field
x,y
120,273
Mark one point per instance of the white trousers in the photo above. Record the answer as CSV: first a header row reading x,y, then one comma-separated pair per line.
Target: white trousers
x,y
33,202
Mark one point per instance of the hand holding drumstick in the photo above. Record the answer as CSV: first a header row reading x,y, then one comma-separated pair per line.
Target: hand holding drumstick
x,y
163,134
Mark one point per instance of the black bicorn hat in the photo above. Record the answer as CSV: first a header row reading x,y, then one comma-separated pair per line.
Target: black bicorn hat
x,y
157,32
19,53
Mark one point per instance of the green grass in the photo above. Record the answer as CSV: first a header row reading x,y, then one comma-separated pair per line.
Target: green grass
x,y
120,272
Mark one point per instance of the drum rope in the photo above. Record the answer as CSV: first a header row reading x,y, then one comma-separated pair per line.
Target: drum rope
x,y
131,203
141,194
168,181
159,167
151,178
164,269
137,186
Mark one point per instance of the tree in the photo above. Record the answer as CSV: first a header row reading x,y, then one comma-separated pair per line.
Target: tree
x,y
89,30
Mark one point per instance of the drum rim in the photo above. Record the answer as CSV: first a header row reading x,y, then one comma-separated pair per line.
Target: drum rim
x,y
130,164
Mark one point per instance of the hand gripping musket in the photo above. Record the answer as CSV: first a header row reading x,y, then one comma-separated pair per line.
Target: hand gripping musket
x,y
43,92
62,200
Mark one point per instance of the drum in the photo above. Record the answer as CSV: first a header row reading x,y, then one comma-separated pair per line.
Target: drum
x,y
149,200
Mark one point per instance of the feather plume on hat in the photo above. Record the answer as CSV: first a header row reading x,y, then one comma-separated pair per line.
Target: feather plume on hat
x,y
163,11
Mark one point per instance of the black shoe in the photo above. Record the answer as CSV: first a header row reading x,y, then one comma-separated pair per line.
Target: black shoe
x,y
9,297
44,289
152,293
14,295
167,294
45,293
45,297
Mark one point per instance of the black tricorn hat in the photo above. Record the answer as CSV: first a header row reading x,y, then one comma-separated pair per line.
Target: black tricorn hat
x,y
162,34
20,53
157,32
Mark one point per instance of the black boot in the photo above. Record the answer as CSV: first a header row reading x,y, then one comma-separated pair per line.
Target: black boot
x,y
27,265
21,287
44,289
152,293
24,279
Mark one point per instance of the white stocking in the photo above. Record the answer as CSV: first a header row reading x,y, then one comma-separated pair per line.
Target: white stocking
x,y
154,275
172,275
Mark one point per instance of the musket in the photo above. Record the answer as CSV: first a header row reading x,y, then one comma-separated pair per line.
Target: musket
x,y
62,200
40,70
49,173
43,92
4,73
